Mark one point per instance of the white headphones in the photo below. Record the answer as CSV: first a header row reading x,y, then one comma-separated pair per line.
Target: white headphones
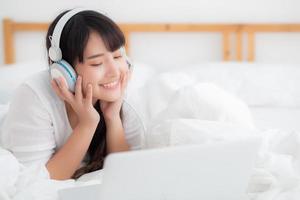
x,y
60,67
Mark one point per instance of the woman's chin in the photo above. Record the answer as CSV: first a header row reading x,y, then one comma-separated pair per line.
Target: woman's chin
x,y
110,98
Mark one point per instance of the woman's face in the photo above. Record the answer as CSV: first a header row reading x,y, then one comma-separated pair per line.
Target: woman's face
x,y
103,69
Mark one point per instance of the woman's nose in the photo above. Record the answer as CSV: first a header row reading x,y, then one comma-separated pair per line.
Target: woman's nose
x,y
111,68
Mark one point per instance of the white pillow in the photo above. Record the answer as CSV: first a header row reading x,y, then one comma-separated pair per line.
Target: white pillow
x,y
11,76
182,131
206,101
257,84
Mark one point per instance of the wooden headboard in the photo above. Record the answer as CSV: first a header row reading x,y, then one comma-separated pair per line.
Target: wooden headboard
x,y
227,30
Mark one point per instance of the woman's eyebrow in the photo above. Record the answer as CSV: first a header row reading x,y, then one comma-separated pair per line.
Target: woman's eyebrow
x,y
95,56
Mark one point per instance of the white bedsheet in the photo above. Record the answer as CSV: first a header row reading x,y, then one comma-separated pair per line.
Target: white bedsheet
x,y
282,118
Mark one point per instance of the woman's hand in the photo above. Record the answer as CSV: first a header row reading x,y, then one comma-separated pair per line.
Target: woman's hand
x,y
82,106
111,110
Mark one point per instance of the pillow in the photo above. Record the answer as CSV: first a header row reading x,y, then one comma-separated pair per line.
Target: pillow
x,y
206,101
11,76
182,131
257,84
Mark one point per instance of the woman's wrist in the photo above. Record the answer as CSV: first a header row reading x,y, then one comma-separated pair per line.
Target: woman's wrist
x,y
84,121
112,121
88,126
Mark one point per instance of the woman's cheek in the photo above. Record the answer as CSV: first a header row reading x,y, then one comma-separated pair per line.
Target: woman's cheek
x,y
90,79
124,69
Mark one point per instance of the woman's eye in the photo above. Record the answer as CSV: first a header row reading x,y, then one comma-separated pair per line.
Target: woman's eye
x,y
96,65
117,57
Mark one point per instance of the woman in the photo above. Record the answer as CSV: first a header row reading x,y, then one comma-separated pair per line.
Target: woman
x,y
71,133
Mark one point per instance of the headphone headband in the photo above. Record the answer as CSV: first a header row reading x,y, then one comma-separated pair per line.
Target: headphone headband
x,y
54,51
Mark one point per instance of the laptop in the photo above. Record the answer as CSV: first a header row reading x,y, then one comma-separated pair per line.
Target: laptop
x,y
219,171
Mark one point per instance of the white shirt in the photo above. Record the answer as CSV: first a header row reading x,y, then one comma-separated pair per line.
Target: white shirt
x,y
37,125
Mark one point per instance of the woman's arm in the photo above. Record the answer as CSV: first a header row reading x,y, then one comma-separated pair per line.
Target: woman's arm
x,y
115,136
68,158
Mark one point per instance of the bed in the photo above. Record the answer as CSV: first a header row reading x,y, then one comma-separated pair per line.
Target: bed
x,y
233,45
264,97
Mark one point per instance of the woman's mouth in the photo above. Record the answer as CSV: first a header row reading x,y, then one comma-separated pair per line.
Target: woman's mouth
x,y
111,85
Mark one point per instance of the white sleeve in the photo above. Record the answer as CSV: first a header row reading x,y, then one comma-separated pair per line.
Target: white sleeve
x,y
28,130
133,127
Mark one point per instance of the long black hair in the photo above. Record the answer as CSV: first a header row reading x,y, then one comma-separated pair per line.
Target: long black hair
x,y
73,40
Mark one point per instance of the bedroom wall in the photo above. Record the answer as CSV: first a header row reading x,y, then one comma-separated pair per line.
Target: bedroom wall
x,y
166,50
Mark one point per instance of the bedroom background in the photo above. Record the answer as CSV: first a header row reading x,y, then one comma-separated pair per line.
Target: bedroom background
x,y
158,48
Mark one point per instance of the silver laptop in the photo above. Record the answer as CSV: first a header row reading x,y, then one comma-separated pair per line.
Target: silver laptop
x,y
219,171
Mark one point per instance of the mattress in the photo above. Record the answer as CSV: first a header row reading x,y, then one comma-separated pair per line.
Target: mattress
x,y
282,118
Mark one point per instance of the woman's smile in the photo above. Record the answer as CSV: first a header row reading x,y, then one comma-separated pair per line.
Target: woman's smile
x,y
111,85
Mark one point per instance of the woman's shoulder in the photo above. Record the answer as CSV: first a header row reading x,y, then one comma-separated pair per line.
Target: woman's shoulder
x,y
40,84
37,88
38,81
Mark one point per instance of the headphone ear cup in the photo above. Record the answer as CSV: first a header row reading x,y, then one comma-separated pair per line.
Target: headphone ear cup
x,y
55,54
65,70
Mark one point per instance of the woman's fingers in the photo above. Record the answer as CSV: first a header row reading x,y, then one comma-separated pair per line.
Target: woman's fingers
x,y
78,88
64,90
61,89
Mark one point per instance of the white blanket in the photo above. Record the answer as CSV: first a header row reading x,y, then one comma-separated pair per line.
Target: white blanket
x,y
276,176
32,183
277,172
178,95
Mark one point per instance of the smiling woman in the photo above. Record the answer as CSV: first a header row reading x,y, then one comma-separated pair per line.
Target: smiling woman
x,y
70,133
